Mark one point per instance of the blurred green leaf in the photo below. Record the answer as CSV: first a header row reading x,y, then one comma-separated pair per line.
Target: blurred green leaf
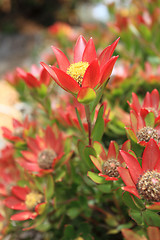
x,y
151,218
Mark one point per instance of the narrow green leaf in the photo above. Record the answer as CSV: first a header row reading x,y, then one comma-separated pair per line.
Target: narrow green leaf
x,y
49,186
98,129
80,122
87,152
95,178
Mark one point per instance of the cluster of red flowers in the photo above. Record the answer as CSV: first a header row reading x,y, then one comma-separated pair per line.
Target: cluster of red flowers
x,y
142,181
42,153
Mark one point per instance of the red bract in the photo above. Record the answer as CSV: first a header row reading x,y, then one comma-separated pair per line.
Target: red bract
x,y
121,23
150,104
27,201
143,181
143,129
35,78
9,172
108,164
20,130
87,73
43,152
152,232
150,74
12,77
66,115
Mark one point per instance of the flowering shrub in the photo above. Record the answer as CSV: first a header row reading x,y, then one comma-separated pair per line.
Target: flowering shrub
x,y
86,163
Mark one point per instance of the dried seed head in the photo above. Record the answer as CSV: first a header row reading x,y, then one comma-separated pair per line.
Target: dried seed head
x,y
110,167
45,158
146,133
18,132
77,71
148,186
32,199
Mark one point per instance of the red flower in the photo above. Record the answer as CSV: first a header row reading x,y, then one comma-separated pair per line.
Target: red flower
x,y
36,78
12,77
65,112
61,29
150,74
108,164
43,152
143,181
143,129
9,172
87,73
150,104
20,130
121,22
25,200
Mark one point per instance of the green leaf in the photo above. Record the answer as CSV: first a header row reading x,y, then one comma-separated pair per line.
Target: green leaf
x,y
98,129
150,119
138,202
69,233
49,186
42,91
145,32
81,147
96,101
105,188
136,216
80,122
73,212
131,135
87,152
128,200
137,149
95,178
151,218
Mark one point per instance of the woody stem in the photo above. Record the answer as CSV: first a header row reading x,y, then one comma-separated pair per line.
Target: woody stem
x,y
88,117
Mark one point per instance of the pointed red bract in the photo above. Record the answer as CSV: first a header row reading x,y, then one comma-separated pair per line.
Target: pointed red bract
x,y
151,155
89,53
79,49
66,81
62,60
91,76
133,165
23,216
107,52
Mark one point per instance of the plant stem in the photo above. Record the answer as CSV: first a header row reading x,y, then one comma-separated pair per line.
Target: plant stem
x,y
88,117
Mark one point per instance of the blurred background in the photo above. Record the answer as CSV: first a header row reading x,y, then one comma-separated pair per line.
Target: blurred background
x,y
23,24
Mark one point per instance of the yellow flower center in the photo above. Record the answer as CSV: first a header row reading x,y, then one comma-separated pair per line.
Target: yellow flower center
x,y
77,71
32,199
